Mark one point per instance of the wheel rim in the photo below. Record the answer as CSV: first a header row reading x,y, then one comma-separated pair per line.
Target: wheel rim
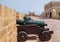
x,y
45,36
22,36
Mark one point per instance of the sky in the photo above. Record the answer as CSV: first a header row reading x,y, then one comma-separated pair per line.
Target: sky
x,y
24,6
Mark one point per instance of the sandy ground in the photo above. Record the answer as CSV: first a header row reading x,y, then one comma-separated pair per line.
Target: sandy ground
x,y
55,26
52,25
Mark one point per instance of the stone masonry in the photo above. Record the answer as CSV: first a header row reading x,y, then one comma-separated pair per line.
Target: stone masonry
x,y
52,10
8,30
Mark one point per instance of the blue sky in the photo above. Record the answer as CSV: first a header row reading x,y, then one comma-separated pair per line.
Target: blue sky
x,y
24,6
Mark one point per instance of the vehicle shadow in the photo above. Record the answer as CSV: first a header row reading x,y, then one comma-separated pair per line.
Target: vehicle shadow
x,y
33,38
29,38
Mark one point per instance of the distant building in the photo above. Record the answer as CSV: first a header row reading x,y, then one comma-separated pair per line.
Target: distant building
x,y
26,14
52,9
31,13
43,15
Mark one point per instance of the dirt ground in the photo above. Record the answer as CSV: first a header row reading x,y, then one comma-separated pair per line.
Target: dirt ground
x,y
55,26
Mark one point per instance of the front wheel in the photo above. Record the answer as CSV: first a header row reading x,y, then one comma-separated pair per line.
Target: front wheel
x,y
23,36
45,36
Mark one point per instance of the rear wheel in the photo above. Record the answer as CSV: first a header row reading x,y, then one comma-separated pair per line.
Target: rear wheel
x,y
45,36
22,36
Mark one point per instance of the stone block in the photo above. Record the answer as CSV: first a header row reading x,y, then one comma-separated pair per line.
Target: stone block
x,y
5,12
7,24
3,33
0,10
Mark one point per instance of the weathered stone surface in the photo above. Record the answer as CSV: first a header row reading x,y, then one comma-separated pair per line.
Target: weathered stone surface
x,y
7,24
52,10
19,16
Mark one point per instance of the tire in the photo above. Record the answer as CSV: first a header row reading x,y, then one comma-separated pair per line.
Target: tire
x,y
22,36
45,36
